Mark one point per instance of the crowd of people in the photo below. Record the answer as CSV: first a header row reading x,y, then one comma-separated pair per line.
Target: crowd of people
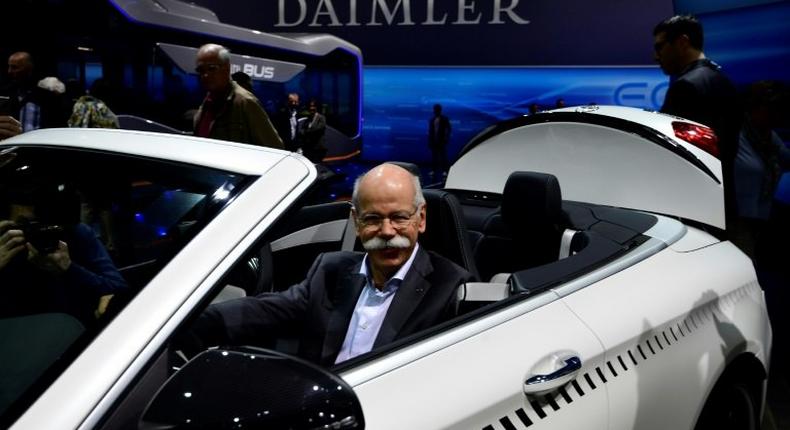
x,y
753,156
388,208
229,110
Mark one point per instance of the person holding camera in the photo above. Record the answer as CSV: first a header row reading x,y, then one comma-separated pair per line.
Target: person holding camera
x,y
49,261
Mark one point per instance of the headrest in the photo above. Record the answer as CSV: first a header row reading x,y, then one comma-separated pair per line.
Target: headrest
x,y
531,201
445,230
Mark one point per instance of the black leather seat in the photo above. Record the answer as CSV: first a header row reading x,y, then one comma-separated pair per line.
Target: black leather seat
x,y
527,230
254,273
445,230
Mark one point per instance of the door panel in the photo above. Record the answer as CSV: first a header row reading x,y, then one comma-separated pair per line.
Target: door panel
x,y
477,382
674,327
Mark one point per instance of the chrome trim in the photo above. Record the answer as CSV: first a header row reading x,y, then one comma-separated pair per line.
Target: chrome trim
x,y
380,366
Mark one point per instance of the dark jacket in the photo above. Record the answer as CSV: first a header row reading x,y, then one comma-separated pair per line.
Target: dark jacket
x,y
51,104
282,122
320,307
241,119
703,94
91,275
439,136
312,130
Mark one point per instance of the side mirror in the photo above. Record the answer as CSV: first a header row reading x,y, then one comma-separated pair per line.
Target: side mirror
x,y
252,388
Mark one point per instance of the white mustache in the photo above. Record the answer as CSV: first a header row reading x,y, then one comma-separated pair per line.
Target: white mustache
x,y
379,243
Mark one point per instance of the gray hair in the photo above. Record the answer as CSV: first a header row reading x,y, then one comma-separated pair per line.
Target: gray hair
x,y
223,53
419,198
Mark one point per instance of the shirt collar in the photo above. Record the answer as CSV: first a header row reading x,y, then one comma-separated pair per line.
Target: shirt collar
x,y
398,276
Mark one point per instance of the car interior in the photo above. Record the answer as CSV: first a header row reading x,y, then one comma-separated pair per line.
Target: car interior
x,y
517,244
520,242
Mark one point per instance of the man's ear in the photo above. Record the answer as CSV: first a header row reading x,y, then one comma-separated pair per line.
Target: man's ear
x,y
353,215
423,215
683,41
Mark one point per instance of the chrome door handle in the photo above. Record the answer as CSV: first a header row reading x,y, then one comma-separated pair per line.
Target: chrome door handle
x,y
540,384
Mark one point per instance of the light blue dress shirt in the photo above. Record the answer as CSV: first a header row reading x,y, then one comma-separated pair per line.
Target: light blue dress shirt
x,y
370,310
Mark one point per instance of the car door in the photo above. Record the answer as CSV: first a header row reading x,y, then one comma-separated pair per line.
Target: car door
x,y
473,376
675,328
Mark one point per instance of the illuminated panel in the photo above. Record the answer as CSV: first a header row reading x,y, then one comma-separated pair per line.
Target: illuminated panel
x,y
399,101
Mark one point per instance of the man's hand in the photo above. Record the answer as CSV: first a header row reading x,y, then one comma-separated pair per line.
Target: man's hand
x,y
55,262
9,127
12,242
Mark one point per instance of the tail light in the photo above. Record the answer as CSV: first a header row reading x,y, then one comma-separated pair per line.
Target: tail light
x,y
698,135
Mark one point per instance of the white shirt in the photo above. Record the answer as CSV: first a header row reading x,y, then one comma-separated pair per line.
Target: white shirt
x,y
370,310
293,122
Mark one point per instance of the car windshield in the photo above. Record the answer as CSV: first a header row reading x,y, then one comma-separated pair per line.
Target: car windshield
x,y
81,232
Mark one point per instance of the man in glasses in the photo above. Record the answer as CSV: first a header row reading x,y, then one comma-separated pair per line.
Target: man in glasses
x,y
352,302
229,112
698,89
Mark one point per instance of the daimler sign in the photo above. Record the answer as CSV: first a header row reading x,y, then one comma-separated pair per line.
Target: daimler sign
x,y
292,13
467,32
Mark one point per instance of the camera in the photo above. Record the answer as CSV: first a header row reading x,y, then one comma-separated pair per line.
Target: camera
x,y
43,237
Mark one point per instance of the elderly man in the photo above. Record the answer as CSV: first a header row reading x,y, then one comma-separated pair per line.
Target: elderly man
x,y
351,303
229,112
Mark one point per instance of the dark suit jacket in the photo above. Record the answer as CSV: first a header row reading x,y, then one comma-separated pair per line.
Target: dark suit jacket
x,y
703,94
312,130
282,122
320,307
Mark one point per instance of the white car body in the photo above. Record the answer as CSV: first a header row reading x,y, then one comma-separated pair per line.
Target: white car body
x,y
654,328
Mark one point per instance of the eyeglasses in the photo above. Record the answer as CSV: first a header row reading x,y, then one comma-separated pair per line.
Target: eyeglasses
x,y
398,220
207,68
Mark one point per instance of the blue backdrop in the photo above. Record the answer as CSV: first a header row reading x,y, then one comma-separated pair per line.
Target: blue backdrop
x,y
751,43
399,101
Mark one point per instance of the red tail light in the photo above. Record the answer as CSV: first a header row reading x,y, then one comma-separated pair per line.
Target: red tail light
x,y
698,135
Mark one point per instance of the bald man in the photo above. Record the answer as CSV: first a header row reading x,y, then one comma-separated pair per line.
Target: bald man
x,y
229,112
353,302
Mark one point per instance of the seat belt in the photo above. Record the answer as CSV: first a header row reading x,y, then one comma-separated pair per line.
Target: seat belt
x,y
349,234
565,243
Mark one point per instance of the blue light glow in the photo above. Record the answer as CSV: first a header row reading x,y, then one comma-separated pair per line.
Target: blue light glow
x,y
399,100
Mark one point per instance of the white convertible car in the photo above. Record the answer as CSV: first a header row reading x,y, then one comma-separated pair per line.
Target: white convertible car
x,y
607,298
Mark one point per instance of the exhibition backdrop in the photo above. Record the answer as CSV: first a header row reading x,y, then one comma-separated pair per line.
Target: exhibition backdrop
x,y
487,60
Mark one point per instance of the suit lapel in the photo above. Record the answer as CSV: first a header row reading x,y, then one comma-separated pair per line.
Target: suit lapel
x,y
410,293
343,299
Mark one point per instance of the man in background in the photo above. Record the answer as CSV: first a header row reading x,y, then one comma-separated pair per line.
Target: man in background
x,y
312,130
229,112
438,138
698,89
24,99
288,120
